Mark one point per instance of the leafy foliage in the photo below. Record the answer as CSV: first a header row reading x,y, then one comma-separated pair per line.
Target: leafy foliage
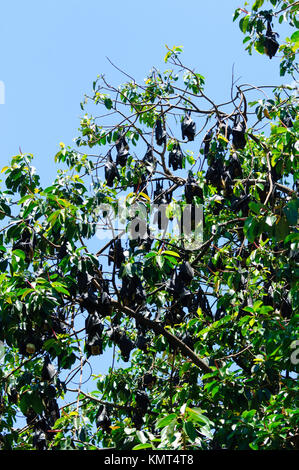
x,y
202,337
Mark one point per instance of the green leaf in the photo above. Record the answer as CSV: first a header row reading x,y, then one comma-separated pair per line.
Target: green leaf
x,y
196,416
166,420
143,446
190,430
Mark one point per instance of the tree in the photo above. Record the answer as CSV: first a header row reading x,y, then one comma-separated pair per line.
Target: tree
x,y
196,289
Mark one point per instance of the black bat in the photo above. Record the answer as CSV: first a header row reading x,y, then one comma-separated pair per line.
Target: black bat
x,y
175,157
116,254
192,189
142,343
94,345
126,346
186,272
188,127
93,324
149,380
26,244
142,400
39,440
234,166
215,172
160,133
48,370
149,160
207,142
270,43
111,171
122,151
103,420
52,411
89,301
238,133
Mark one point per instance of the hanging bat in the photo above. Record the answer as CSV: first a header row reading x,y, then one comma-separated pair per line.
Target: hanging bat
x,y
122,151
125,345
160,133
238,133
207,142
188,127
270,44
93,324
48,370
94,345
234,166
89,301
192,189
142,343
142,400
116,254
52,411
111,171
149,160
39,440
103,420
148,380
26,244
175,157
215,172
186,272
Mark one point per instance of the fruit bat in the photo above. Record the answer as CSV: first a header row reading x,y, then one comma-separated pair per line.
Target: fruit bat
x,y
215,172
270,44
207,142
142,343
286,120
188,127
116,254
175,157
93,324
132,291
192,189
111,170
103,420
52,411
104,307
160,133
142,400
238,133
122,151
89,301
39,440
94,345
137,418
26,244
126,346
149,160
186,272
149,380
234,166
48,370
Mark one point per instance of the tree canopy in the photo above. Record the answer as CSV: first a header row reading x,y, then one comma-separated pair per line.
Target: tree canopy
x,y
169,240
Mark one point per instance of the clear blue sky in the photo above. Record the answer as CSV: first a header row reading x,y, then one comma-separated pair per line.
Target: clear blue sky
x,y
51,52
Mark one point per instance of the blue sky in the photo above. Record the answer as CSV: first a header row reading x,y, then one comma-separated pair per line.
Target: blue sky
x,y
52,51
